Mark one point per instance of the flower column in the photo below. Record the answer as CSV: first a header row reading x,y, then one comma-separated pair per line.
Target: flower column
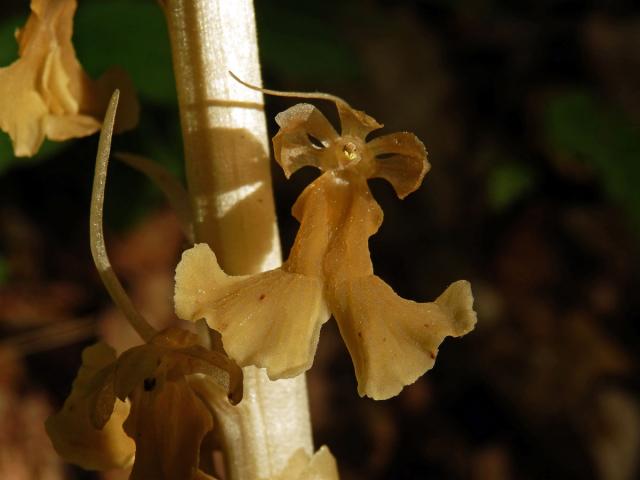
x,y
227,162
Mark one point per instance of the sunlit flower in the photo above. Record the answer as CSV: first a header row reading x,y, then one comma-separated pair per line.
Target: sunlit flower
x,y
273,319
150,386
46,93
301,466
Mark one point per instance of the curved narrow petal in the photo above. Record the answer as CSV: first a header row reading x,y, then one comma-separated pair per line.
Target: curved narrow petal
x,y
135,366
270,320
71,431
401,159
293,149
167,422
185,356
174,353
393,341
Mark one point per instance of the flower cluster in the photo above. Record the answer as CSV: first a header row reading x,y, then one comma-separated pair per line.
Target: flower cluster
x,y
155,387
46,93
273,319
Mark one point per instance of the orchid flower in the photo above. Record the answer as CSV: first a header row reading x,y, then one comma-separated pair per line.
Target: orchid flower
x,y
151,387
46,93
273,319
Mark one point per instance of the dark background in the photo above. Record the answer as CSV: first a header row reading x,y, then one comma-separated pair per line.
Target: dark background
x,y
530,113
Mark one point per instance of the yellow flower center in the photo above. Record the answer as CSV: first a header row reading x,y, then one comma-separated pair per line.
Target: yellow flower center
x,y
349,153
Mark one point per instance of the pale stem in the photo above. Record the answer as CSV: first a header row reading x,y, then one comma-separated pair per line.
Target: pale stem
x,y
228,175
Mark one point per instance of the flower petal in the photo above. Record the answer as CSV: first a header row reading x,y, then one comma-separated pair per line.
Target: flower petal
x,y
74,437
321,466
292,145
171,354
355,122
393,341
314,209
134,366
46,92
185,356
401,159
167,423
270,320
354,217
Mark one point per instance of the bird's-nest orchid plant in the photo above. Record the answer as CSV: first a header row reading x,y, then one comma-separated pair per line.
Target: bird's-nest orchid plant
x,y
156,406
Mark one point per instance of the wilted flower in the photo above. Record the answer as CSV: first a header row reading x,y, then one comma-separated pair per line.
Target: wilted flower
x,y
150,386
273,319
46,93
74,436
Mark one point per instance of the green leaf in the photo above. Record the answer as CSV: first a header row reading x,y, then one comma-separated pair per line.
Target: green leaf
x,y
585,129
131,34
507,183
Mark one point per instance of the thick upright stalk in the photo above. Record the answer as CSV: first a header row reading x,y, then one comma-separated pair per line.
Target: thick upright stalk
x,y
227,162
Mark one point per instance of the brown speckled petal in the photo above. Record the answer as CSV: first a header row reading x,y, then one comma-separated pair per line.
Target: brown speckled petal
x,y
393,341
401,159
270,320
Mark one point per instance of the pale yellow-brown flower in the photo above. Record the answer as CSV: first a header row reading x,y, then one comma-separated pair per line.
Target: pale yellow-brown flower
x,y
320,466
74,436
149,386
273,319
45,93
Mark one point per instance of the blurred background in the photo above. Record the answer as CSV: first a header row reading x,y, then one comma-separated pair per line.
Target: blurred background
x,y
530,112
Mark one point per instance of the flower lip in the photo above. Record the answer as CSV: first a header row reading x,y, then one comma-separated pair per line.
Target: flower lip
x,y
346,153
350,152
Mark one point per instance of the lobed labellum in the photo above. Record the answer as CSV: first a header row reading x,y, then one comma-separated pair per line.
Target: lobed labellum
x,y
273,319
